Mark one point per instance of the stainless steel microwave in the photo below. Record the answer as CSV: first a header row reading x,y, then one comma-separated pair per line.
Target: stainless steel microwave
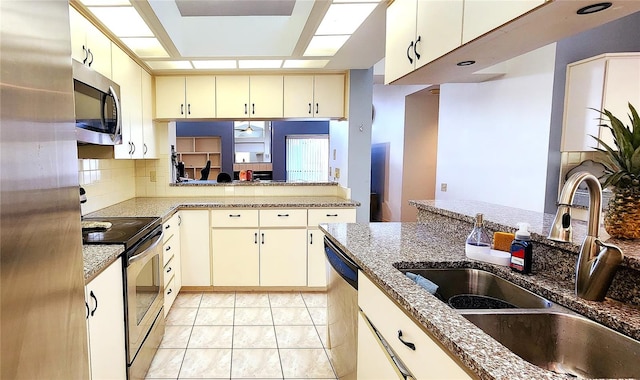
x,y
97,106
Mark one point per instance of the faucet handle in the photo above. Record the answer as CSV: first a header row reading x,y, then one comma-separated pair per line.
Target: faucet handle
x,y
561,228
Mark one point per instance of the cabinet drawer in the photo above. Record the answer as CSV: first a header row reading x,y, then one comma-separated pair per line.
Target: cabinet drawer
x,y
234,218
428,360
169,270
170,294
283,218
331,215
168,249
171,226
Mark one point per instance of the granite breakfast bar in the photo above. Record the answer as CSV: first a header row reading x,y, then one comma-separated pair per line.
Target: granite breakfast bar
x,y
437,241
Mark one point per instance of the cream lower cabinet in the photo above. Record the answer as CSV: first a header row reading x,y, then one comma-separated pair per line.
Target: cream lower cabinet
x,y
283,259
374,359
428,360
236,257
195,252
105,320
316,267
171,249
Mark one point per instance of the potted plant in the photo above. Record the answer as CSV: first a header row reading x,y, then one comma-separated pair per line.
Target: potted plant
x,y
622,219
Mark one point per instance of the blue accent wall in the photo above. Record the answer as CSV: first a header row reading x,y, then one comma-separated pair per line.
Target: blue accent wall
x,y
280,130
222,129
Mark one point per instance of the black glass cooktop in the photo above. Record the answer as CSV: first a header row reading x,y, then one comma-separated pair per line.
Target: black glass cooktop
x,y
123,230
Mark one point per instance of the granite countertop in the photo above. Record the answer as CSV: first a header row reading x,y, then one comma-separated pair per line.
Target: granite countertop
x,y
503,218
253,183
98,257
164,207
380,248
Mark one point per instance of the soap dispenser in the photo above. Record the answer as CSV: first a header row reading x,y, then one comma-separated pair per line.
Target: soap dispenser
x,y
522,250
479,241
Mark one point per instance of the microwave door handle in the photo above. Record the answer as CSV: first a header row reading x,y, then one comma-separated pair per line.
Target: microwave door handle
x,y
112,92
141,255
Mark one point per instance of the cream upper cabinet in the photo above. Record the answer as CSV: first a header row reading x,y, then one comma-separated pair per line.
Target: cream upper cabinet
x,y
195,253
149,144
314,96
89,45
608,81
105,319
182,97
419,31
128,75
482,16
232,96
255,96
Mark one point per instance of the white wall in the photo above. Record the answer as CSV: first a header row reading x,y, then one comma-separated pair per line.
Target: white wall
x,y
339,142
493,137
388,127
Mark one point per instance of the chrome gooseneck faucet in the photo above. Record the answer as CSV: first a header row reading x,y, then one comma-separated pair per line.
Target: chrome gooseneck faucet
x,y
597,262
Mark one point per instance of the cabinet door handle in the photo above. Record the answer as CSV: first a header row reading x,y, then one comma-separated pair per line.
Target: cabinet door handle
x,y
95,299
309,108
169,270
168,248
415,48
86,304
86,54
253,108
170,291
262,238
408,344
134,147
91,54
332,215
283,215
234,215
317,108
408,50
144,149
189,109
179,220
167,226
181,109
130,148
245,108
311,238
255,238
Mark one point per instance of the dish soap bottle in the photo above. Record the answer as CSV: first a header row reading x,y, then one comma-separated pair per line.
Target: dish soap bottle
x,y
479,241
522,250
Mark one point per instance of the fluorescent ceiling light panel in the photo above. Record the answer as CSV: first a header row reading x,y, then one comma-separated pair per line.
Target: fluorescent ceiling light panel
x,y
169,65
108,3
324,46
305,63
122,21
221,64
260,64
145,47
344,18
355,1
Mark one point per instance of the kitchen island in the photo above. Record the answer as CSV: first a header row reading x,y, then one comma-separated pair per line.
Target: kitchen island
x,y
437,241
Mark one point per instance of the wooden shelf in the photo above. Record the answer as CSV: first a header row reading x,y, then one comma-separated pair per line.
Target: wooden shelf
x,y
196,151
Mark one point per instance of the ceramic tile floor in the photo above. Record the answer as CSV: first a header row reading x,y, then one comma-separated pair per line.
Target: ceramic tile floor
x,y
244,336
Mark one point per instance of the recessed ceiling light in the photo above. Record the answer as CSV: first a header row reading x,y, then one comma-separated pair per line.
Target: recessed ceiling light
x,y
260,64
122,21
169,65
305,63
344,18
219,64
324,46
145,47
593,8
465,63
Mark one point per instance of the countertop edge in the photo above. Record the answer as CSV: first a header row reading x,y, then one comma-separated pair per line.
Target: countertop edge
x,y
97,258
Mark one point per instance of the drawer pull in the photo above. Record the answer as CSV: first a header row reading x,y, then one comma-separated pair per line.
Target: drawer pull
x,y
255,238
167,226
262,238
234,215
332,215
168,248
408,344
283,215
168,269
170,291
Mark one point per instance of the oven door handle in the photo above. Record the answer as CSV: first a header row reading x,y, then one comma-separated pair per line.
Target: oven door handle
x,y
158,238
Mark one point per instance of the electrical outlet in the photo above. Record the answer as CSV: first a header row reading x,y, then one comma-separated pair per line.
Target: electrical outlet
x,y
443,187
152,176
337,173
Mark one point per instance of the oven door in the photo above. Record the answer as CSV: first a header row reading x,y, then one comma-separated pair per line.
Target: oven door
x,y
145,290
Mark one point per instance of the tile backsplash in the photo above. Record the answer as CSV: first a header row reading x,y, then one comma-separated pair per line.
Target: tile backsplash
x,y
106,181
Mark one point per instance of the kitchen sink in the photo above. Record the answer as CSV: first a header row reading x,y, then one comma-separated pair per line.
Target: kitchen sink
x,y
563,343
478,289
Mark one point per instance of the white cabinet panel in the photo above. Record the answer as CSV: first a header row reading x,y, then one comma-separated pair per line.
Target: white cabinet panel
x,y
482,16
283,257
283,218
316,261
191,97
195,251
236,257
232,96
374,362
328,96
298,96
230,218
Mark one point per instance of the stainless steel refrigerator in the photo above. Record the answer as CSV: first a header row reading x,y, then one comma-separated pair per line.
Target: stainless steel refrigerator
x,y
42,315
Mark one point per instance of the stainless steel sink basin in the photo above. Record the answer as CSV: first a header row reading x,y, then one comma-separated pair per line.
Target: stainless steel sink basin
x,y
477,289
563,343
